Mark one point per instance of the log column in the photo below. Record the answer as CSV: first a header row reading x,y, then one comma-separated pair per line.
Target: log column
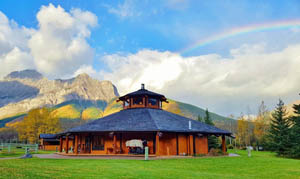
x,y
67,144
223,144
60,144
115,144
76,144
157,144
191,144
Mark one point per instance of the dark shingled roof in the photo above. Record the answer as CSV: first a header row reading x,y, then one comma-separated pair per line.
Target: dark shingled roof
x,y
47,136
147,119
143,92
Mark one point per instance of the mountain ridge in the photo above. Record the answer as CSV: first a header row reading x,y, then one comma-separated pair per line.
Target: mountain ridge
x,y
81,97
50,92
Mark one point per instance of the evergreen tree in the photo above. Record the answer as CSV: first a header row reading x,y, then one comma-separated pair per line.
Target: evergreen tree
x,y
295,133
200,119
212,140
280,130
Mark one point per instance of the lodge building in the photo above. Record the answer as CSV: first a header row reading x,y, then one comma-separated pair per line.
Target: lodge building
x,y
142,119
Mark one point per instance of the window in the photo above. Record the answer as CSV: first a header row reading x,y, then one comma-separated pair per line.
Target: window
x,y
98,143
152,101
137,101
126,103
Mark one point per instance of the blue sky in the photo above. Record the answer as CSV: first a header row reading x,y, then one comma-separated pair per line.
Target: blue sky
x,y
127,41
161,25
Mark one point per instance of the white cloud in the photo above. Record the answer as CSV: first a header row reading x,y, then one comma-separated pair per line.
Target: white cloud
x,y
88,69
14,53
225,85
59,46
127,9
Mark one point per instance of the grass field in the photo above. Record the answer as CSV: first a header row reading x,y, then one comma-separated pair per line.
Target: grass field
x,y
20,152
260,165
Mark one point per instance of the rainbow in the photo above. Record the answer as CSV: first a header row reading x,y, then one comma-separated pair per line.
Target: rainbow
x,y
242,30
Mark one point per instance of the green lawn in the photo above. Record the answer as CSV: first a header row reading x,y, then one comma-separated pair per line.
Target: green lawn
x,y
260,165
20,152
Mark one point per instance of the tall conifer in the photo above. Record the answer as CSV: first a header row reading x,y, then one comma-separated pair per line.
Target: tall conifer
x,y
280,130
212,140
295,133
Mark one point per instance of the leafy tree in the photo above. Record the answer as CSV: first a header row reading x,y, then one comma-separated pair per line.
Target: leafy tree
x,y
243,136
295,133
37,121
8,133
212,140
261,124
279,130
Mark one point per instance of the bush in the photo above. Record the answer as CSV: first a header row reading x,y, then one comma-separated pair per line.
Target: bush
x,y
216,152
230,146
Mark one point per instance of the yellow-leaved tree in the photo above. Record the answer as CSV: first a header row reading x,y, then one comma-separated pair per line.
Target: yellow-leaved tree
x,y
38,121
243,135
261,123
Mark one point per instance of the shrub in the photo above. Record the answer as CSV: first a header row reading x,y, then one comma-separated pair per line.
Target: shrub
x,y
230,146
216,152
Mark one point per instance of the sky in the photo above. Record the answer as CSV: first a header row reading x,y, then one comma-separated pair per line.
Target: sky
x,y
223,55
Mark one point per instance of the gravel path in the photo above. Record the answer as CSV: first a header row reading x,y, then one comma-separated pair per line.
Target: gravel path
x,y
57,156
6,158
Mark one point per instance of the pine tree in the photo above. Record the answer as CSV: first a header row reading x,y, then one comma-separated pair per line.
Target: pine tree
x,y
212,140
200,119
295,133
279,130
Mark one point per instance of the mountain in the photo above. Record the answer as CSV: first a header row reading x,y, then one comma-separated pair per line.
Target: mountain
x,y
71,99
19,94
30,74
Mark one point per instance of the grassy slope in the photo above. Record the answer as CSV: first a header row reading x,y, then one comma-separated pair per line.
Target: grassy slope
x,y
261,165
92,110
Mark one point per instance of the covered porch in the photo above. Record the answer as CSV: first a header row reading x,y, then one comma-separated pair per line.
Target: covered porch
x,y
114,143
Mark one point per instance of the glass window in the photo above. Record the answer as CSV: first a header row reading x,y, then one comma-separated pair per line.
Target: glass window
x,y
126,103
98,143
152,101
137,101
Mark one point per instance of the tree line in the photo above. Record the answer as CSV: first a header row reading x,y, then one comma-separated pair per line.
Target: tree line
x,y
273,131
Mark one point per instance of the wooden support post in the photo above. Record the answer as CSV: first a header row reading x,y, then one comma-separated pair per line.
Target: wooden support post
x,y
76,144
157,144
223,144
191,139
177,147
115,144
121,150
67,144
60,144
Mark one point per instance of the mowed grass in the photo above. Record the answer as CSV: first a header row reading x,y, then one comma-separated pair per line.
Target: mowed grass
x,y
260,165
20,152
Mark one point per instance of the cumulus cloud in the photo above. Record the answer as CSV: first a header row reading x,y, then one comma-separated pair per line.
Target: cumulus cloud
x,y
225,85
57,48
14,53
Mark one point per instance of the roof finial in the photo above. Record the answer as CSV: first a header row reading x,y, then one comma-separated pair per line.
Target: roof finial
x,y
143,86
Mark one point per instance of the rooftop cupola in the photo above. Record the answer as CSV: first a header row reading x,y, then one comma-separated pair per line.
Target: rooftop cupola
x,y
142,98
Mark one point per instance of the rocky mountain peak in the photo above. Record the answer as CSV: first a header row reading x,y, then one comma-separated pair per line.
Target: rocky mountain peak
x,y
31,74
25,90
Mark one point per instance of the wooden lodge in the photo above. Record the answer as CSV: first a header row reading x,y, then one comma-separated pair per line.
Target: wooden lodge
x,y
142,122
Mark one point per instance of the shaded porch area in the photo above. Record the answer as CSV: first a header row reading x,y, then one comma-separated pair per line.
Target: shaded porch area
x,y
114,143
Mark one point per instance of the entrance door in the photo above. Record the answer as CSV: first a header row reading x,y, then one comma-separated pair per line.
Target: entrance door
x,y
88,144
